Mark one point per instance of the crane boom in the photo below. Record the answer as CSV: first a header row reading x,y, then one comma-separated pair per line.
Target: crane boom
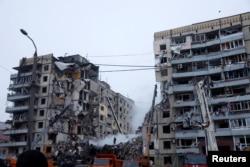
x,y
208,123
150,120
116,121
45,130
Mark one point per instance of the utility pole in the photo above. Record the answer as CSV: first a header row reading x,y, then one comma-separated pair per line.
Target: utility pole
x,y
32,95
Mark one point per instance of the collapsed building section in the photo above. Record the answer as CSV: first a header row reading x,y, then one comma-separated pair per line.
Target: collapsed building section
x,y
70,106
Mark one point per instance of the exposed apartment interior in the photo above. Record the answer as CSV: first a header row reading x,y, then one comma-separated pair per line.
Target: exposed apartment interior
x,y
68,93
216,52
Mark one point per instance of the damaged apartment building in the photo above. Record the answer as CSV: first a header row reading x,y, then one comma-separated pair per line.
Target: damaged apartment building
x,y
70,106
217,52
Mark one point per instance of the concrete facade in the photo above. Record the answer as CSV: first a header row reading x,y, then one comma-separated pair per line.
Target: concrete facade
x,y
60,82
3,139
217,51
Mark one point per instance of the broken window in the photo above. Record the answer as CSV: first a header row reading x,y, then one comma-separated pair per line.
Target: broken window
x,y
182,97
44,89
235,59
178,40
151,145
46,67
238,123
40,125
43,101
198,37
45,78
240,106
222,123
186,142
102,108
165,114
164,72
163,47
198,51
41,113
232,44
236,74
166,129
101,128
201,65
48,149
214,48
167,160
101,117
166,144
163,60
216,77
231,30
212,35
182,81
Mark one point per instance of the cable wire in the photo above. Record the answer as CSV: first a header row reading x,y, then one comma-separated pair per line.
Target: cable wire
x,y
123,65
134,54
140,69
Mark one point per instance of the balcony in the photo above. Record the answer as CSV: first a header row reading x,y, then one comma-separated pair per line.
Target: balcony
x,y
14,144
241,131
26,74
183,88
180,103
231,37
22,84
17,96
186,134
188,150
228,83
17,109
210,56
210,70
15,131
206,44
222,39
224,99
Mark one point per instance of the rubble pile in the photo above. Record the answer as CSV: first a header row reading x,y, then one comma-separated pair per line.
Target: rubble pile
x,y
129,150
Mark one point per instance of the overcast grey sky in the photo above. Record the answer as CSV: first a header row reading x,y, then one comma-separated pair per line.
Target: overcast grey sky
x,y
102,30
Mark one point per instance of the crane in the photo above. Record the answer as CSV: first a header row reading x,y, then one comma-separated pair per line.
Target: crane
x,y
146,160
113,112
45,130
207,124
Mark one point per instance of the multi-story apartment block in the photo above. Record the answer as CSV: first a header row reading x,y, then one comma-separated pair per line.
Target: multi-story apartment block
x,y
66,95
117,111
217,52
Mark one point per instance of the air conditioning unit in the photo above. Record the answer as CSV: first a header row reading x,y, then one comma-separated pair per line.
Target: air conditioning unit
x,y
173,141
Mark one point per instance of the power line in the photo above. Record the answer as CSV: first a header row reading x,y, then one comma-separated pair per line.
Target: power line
x,y
133,54
5,68
140,69
123,65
